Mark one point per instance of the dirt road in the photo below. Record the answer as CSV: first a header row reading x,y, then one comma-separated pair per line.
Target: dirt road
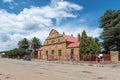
x,y
38,70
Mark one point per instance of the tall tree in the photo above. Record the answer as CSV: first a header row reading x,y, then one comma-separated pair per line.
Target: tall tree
x,y
35,44
110,23
24,43
83,43
93,47
88,45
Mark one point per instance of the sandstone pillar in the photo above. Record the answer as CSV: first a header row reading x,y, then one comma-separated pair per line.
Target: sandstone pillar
x,y
114,56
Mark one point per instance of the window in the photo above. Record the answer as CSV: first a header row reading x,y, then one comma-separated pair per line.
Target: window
x,y
72,54
46,52
72,50
59,52
52,52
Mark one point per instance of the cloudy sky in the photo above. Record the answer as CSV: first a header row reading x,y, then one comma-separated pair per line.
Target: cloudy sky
x,y
28,18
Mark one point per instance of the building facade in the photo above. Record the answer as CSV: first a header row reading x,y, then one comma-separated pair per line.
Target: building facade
x,y
59,47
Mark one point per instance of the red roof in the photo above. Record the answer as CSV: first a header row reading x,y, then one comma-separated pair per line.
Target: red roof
x,y
40,49
75,44
70,38
71,41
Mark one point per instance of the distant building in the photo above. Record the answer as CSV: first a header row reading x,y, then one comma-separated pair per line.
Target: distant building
x,y
2,54
59,47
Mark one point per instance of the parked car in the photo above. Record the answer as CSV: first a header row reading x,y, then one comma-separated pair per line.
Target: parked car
x,y
27,58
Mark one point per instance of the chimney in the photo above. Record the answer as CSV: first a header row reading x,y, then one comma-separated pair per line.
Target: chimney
x,y
63,33
79,37
72,35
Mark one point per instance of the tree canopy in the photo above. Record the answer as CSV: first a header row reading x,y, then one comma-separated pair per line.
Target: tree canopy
x,y
83,43
16,52
24,43
36,43
88,45
110,23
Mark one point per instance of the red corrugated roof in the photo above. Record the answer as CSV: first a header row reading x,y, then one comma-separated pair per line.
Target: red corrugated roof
x,y
74,44
70,38
71,41
40,49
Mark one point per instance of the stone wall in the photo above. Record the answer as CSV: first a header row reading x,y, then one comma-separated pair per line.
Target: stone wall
x,y
76,53
0,56
114,56
55,47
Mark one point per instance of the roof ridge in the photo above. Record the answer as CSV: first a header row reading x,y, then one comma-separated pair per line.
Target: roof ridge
x,y
68,35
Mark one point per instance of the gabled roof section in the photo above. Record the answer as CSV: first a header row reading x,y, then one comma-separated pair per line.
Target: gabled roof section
x,y
70,38
53,31
71,41
40,49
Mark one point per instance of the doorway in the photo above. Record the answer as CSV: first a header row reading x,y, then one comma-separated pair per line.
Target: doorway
x,y
47,55
52,54
72,54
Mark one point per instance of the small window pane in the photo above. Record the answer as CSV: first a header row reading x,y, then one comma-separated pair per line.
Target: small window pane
x,y
59,52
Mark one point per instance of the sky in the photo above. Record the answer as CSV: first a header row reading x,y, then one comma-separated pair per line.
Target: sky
x,y
36,18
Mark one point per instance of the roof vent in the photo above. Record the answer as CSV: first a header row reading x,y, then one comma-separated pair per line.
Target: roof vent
x,y
72,35
63,33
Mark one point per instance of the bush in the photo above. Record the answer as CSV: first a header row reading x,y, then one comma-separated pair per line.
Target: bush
x,y
15,53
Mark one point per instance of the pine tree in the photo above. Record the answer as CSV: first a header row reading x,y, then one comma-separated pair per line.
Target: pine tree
x,y
83,43
93,47
110,23
88,45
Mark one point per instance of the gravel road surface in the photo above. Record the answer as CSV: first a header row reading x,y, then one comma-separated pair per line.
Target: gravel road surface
x,y
12,69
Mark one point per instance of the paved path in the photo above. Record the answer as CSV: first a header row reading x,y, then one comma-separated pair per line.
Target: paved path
x,y
38,70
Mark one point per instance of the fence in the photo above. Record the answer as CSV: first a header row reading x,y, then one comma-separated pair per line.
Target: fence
x,y
107,57
33,56
81,57
87,57
93,58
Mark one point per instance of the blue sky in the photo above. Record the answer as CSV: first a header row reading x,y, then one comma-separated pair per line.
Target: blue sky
x,y
29,18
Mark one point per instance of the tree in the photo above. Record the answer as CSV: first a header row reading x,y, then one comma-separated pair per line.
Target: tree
x,y
15,52
24,43
35,44
93,47
83,43
21,52
110,23
88,45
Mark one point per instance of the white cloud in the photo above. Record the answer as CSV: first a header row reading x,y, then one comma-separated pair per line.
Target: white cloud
x,y
35,16
7,1
82,20
38,21
70,28
35,21
11,3
62,6
4,37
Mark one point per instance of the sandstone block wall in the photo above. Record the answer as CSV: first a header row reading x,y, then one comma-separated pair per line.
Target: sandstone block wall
x,y
114,56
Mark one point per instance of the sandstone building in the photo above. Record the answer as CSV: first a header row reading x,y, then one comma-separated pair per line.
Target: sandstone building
x,y
59,47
